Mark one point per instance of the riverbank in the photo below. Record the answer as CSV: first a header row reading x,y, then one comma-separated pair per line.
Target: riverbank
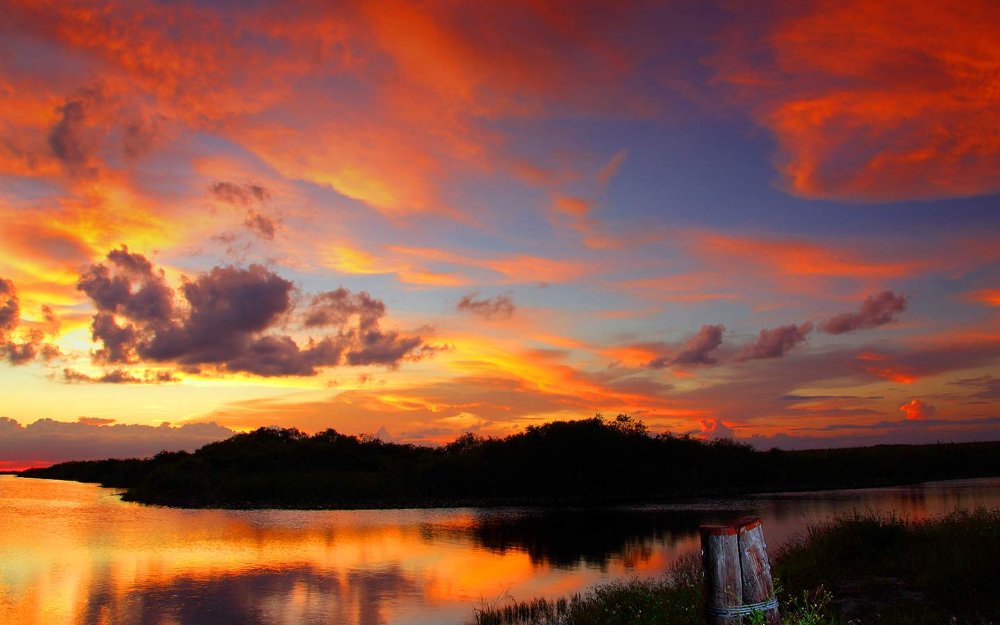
x,y
865,568
590,462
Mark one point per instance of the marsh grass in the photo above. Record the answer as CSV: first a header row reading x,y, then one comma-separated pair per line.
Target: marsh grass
x,y
884,568
865,568
674,597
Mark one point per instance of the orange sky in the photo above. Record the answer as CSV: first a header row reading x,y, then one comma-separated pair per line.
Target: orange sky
x,y
776,223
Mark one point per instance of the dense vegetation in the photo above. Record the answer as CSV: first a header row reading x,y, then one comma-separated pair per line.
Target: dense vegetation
x,y
566,462
866,568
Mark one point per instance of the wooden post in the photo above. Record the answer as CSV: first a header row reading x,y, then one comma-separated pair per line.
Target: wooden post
x,y
720,560
737,573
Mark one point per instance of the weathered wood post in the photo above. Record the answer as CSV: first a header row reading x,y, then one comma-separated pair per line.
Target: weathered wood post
x,y
737,573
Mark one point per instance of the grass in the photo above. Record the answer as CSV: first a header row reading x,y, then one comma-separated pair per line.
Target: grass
x,y
860,569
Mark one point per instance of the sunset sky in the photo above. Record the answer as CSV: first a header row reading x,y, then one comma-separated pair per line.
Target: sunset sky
x,y
779,222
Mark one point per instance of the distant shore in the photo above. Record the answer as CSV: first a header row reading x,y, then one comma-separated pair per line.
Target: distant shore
x,y
593,462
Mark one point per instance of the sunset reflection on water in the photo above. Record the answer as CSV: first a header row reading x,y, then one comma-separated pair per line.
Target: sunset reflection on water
x,y
74,553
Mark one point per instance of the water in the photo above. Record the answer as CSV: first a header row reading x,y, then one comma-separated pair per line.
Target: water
x,y
75,554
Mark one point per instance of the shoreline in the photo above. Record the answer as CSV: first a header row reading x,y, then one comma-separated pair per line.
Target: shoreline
x,y
541,503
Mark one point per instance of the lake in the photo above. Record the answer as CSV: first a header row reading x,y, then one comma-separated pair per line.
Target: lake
x,y
74,553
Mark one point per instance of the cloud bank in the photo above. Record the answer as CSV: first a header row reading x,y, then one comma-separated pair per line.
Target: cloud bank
x,y
47,441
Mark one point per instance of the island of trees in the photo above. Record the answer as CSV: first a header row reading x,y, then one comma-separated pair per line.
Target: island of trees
x,y
588,462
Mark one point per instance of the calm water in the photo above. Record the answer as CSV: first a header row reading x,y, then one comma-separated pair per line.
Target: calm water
x,y
73,553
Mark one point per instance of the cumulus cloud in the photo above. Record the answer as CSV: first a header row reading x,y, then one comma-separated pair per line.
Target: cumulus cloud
x,y
500,307
775,342
31,343
695,350
226,321
714,429
357,317
92,438
917,409
876,310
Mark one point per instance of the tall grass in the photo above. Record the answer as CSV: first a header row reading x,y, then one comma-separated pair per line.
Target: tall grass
x,y
674,597
865,568
884,568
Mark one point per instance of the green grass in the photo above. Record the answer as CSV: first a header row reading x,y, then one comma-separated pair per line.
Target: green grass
x,y
861,569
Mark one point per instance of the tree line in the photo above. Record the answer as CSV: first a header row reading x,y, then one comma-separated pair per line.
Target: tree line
x,y
585,462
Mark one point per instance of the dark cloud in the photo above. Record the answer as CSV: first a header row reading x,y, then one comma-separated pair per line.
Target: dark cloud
x,y
139,136
66,138
47,441
119,376
984,387
337,307
499,307
696,350
72,140
227,319
239,194
246,195
381,348
32,343
800,398
10,309
357,317
904,431
774,342
876,311
261,225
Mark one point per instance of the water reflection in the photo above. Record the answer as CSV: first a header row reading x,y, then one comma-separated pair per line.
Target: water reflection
x,y
592,538
73,553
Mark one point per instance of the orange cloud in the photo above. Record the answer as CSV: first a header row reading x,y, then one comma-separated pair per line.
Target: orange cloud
x,y
986,296
513,268
916,409
801,258
873,101
879,365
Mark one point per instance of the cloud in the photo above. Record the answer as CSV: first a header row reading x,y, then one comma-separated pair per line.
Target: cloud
x,y
239,194
874,102
31,343
337,307
696,350
260,225
775,342
918,409
47,441
499,307
906,432
715,429
10,309
225,321
984,387
610,169
876,310
119,376
69,140
246,196
572,205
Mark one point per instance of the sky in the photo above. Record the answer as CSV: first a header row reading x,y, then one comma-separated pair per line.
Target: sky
x,y
778,222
